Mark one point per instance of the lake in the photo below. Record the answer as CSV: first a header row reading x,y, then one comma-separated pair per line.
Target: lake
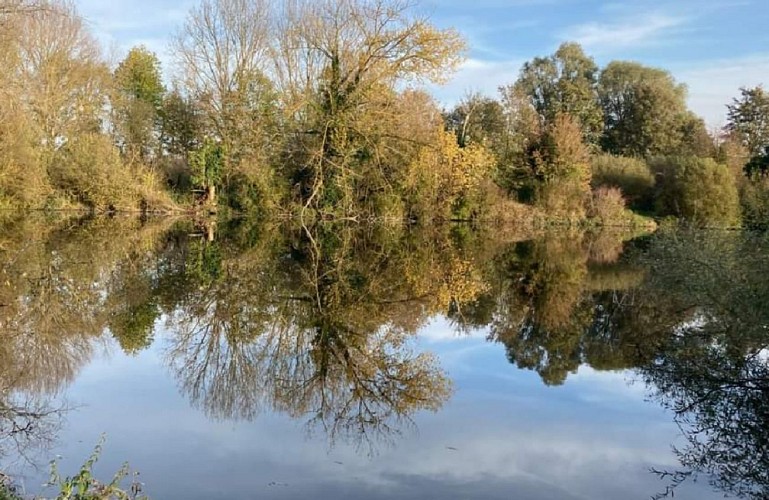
x,y
245,359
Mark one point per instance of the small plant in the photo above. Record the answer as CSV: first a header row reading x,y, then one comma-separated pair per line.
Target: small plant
x,y
84,486
7,488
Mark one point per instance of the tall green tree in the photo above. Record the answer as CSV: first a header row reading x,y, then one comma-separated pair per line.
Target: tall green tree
x,y
139,97
564,82
695,138
644,108
180,124
748,122
139,76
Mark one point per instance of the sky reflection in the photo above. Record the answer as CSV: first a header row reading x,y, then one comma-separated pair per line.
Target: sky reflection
x,y
503,434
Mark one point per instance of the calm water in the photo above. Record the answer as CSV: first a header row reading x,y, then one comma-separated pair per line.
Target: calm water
x,y
251,360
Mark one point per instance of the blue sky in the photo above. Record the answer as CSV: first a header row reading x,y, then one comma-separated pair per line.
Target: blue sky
x,y
714,46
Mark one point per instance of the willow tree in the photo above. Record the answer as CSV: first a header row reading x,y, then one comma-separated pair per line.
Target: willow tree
x,y
12,8
339,63
52,89
12,150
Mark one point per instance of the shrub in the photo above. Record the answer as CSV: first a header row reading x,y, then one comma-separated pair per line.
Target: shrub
x,y
89,170
447,182
564,199
754,198
608,206
698,190
253,188
631,175
23,180
561,165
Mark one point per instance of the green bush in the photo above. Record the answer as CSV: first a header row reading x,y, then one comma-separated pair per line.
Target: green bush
x,y
698,190
631,175
754,197
254,189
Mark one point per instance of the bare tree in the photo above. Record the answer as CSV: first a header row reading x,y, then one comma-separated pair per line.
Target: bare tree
x,y
220,51
9,8
60,72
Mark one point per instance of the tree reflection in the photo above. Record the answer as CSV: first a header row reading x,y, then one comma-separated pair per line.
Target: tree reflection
x,y
316,323
28,426
321,331
54,283
713,373
320,322
555,296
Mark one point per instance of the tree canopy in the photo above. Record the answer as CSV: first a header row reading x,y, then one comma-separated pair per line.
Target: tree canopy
x,y
564,82
644,108
321,110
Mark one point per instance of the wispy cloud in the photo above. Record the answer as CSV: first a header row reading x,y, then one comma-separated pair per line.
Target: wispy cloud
x,y
627,32
477,75
712,84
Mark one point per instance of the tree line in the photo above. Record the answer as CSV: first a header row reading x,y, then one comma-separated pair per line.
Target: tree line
x,y
577,139
319,109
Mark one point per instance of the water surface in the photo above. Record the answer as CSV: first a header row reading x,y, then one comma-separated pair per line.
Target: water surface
x,y
253,360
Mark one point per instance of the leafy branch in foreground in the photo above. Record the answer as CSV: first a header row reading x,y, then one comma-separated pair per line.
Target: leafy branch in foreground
x,y
84,486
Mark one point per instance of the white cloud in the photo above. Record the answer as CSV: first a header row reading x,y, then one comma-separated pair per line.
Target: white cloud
x,y
607,386
628,32
441,330
477,75
712,84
